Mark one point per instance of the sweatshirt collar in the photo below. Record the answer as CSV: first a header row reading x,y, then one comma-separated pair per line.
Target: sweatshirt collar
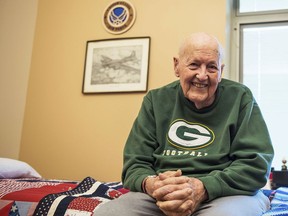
x,y
191,104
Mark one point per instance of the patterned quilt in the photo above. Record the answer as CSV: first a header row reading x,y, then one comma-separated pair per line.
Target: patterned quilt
x,y
22,197
47,197
279,202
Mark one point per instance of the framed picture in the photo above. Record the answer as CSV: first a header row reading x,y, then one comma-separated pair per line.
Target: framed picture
x,y
116,65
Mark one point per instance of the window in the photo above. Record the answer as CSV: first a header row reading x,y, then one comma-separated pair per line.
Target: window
x,y
259,50
252,6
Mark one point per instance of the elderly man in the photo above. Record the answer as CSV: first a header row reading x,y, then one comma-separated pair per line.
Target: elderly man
x,y
199,146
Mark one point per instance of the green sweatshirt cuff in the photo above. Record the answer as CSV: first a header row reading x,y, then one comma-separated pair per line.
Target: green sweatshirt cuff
x,y
212,186
138,183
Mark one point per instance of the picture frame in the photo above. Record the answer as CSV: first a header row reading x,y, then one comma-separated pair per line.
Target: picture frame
x,y
116,65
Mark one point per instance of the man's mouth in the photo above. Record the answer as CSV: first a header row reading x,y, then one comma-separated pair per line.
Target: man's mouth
x,y
199,85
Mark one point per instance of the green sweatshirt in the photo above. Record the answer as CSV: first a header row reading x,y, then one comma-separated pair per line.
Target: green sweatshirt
x,y
226,145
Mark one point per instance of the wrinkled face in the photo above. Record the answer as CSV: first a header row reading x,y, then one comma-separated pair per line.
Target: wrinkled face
x,y
199,69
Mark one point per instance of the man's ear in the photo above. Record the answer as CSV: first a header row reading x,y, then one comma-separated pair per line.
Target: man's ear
x,y
222,69
176,63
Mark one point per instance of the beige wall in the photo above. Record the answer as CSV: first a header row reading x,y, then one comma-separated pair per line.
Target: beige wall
x,y
17,24
70,135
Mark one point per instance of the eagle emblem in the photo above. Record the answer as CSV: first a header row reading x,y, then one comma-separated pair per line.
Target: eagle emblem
x,y
118,17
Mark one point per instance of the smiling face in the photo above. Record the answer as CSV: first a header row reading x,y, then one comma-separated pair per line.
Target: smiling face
x,y
199,69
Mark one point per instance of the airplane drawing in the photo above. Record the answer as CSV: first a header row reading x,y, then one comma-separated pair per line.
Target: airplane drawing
x,y
123,63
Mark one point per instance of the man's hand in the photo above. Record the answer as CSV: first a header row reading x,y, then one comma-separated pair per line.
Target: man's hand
x,y
176,194
151,184
185,198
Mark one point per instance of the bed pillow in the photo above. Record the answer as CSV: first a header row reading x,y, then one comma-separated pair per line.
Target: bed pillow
x,y
10,168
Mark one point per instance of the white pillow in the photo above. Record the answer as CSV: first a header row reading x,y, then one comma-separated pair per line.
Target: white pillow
x,y
10,168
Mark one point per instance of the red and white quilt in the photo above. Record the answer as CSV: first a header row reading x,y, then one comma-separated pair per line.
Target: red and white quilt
x,y
53,197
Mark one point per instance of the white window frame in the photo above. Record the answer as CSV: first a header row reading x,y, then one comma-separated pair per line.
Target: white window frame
x,y
236,20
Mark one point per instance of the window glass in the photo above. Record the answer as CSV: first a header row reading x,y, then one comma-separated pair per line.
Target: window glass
x,y
265,71
246,6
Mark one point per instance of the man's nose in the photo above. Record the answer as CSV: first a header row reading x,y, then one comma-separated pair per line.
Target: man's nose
x,y
202,73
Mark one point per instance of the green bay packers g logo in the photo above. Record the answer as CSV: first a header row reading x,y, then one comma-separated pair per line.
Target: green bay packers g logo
x,y
187,135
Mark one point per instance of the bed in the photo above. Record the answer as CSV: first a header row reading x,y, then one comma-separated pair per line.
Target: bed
x,y
24,192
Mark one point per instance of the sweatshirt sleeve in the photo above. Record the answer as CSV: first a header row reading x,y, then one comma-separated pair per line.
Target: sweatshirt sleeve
x,y
251,156
139,148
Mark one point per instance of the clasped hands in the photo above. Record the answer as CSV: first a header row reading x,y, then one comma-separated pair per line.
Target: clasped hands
x,y
175,194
